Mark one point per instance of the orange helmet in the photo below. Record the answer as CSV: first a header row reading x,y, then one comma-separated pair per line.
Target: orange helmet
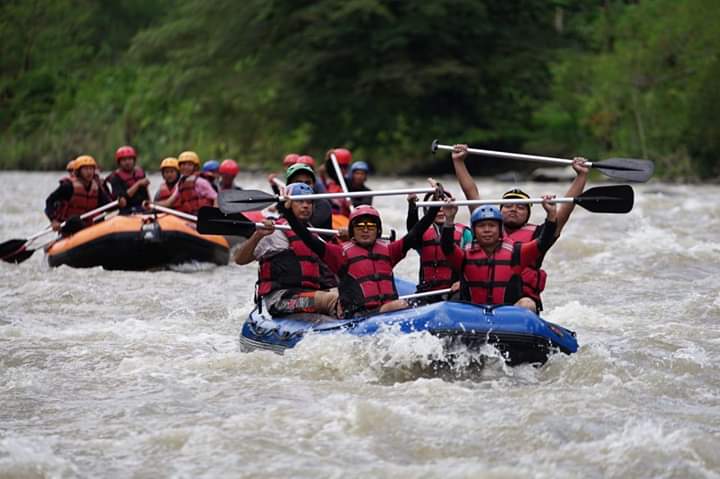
x,y
84,160
70,166
170,162
189,156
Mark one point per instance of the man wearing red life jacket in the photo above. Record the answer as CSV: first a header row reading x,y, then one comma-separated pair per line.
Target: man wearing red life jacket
x,y
292,279
364,265
76,195
170,171
344,157
228,170
435,271
490,268
128,182
192,191
516,217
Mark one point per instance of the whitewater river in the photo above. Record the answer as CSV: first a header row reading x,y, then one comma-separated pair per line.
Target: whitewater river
x,y
139,374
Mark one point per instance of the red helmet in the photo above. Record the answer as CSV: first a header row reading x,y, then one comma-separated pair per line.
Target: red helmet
x,y
364,210
343,156
229,167
307,160
125,152
290,159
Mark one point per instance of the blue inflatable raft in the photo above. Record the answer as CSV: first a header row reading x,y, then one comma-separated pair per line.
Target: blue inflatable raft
x,y
520,335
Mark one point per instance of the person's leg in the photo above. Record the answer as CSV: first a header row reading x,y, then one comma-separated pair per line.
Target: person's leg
x,y
394,305
527,303
326,302
321,302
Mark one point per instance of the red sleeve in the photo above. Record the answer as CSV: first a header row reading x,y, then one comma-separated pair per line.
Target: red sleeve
x,y
334,257
529,253
397,251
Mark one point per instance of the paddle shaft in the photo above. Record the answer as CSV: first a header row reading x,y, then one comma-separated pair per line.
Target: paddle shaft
x,y
173,212
518,201
352,194
426,293
341,178
512,156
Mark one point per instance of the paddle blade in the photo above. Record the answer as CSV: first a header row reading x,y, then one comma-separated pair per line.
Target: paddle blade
x,y
215,222
607,199
238,201
14,251
626,169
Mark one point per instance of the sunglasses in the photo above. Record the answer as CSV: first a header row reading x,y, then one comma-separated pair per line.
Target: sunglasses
x,y
366,226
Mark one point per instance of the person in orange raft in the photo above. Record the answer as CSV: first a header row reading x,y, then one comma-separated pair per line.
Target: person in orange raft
x,y
76,195
192,191
170,171
128,182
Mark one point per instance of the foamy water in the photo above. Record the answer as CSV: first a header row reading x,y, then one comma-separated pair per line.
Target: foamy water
x,y
133,374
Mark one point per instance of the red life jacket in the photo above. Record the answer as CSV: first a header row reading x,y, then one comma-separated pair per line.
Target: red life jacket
x,y
190,202
493,279
372,271
435,270
81,201
130,178
164,192
296,268
533,277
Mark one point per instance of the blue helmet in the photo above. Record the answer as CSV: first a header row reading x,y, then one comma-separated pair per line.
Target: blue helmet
x,y
299,189
210,165
359,166
486,212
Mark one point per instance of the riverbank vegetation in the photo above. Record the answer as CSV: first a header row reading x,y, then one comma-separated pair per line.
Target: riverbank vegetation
x,y
256,79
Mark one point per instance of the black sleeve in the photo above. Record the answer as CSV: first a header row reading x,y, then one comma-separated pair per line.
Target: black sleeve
x,y
547,236
301,230
414,237
62,193
447,240
118,187
322,214
412,215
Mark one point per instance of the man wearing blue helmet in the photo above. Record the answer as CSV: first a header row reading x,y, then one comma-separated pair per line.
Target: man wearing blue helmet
x,y
491,268
210,172
291,277
356,182
516,217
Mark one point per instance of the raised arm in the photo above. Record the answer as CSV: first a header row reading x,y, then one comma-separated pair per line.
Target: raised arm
x,y
576,189
413,239
466,181
412,213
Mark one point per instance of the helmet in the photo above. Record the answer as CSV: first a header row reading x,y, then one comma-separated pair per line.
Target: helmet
x,y
70,166
517,193
307,160
210,165
125,152
84,160
297,168
189,156
359,166
229,167
290,159
170,162
298,189
361,211
342,155
486,212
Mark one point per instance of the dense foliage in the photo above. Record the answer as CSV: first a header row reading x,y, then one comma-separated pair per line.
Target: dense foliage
x,y
259,78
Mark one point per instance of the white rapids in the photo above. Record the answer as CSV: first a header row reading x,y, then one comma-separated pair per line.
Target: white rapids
x,y
139,374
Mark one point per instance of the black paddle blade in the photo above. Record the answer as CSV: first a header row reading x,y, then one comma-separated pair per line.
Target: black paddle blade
x,y
237,201
212,221
14,251
626,169
607,199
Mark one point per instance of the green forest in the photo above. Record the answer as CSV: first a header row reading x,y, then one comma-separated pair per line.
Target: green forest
x,y
255,79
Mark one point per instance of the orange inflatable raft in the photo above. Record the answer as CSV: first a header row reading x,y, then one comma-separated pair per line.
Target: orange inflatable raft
x,y
138,242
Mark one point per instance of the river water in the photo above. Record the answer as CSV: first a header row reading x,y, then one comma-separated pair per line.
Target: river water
x,y
139,374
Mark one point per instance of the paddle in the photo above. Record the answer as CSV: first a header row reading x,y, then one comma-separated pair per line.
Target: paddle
x,y
238,201
625,169
173,212
341,179
601,199
17,251
426,293
214,221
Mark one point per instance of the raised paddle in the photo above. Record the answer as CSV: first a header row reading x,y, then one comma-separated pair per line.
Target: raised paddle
x,y
17,250
238,201
601,199
213,221
625,169
341,179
